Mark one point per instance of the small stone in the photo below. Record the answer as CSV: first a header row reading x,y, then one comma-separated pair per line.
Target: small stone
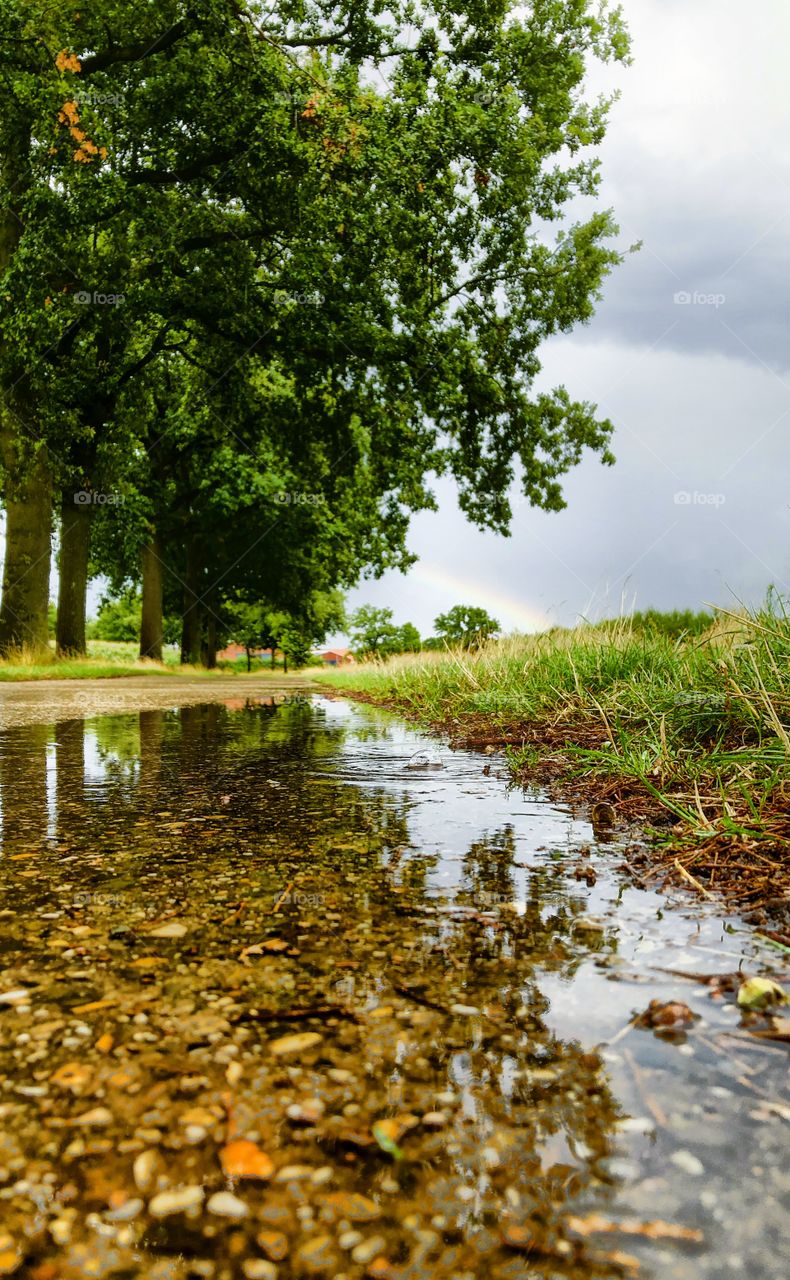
x,y
688,1163
434,1119
180,1200
340,1075
143,1169
195,1133
171,930
225,1205
350,1239
273,1243
259,1269
97,1117
367,1250
636,1124
308,1112
322,1176
60,1229
379,1269
318,1255
294,1172
193,1084
288,1046
125,1212
464,1010
234,1073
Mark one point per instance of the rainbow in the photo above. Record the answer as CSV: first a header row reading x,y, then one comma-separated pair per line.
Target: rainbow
x,y
512,612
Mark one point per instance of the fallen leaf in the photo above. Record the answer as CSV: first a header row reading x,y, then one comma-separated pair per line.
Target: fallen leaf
x,y
243,1159
352,1205
759,993
74,1076
93,1005
386,1133
594,1223
665,1013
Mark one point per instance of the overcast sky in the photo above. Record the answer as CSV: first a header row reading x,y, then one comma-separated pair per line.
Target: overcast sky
x,y
697,166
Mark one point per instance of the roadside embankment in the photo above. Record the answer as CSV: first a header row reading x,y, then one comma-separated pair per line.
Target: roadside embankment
x,y
686,735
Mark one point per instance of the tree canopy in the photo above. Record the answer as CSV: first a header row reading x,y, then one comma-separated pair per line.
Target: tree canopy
x,y
265,274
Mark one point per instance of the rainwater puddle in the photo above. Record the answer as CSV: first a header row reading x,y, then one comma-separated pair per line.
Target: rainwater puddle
x,y
276,1004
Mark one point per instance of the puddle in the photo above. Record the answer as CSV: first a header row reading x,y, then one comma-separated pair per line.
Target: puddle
x,y
184,889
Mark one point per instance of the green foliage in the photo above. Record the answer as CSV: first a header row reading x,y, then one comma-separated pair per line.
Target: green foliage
x,y
677,624
118,617
334,283
465,625
374,633
705,715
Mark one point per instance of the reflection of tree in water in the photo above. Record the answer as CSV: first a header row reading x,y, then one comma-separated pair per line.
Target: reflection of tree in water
x,y
434,996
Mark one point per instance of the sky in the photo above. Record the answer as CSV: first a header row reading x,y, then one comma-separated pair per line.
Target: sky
x,y
688,353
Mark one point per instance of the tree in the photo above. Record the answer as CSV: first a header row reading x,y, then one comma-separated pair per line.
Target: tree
x,y
373,632
465,625
225,203
118,618
408,639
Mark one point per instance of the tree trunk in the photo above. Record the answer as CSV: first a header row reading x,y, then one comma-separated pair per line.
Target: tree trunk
x,y
248,652
23,613
151,629
192,619
211,639
75,541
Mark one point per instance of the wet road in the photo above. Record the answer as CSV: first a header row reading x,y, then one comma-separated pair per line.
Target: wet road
x,y
290,990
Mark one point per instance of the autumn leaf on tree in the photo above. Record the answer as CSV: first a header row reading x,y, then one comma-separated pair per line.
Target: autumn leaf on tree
x,y
66,61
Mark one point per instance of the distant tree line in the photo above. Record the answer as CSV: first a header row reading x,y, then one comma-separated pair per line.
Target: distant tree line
x,y
374,633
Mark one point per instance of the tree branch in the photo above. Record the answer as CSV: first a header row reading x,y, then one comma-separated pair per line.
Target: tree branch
x,y
135,52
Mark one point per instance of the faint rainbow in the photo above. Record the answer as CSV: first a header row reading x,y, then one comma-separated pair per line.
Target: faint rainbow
x,y
512,612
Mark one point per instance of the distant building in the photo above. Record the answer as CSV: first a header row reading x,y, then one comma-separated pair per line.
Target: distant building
x,y
337,658
234,651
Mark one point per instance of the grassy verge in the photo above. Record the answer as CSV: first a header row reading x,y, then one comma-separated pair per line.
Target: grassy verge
x,y
690,733
108,659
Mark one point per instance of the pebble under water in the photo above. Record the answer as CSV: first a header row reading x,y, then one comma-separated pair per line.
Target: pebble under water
x,y
290,990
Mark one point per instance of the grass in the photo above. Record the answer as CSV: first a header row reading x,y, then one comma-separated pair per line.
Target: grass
x,y
108,659
689,727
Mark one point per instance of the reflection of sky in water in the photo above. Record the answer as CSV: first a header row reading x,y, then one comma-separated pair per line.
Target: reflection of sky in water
x,y
616,941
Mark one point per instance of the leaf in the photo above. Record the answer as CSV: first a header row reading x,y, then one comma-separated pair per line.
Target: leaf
x,y
243,1159
383,1131
656,1229
759,993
